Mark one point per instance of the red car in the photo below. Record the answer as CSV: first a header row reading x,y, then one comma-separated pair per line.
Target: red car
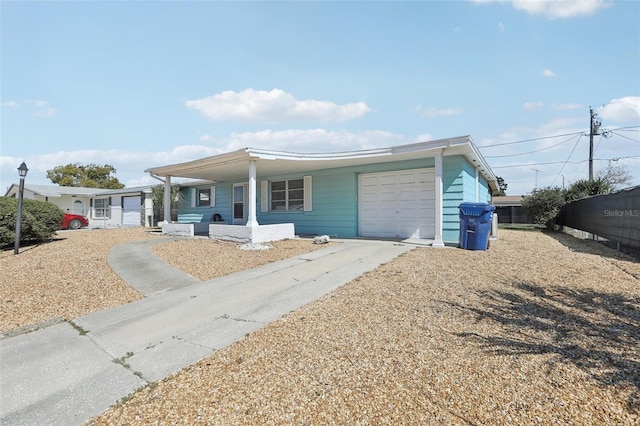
x,y
74,221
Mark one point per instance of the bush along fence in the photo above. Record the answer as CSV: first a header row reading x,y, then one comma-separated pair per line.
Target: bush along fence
x,y
614,216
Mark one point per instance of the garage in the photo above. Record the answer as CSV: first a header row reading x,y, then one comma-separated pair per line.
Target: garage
x,y
131,210
398,204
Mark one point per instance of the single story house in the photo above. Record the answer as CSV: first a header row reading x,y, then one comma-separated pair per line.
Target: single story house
x,y
509,209
402,192
103,207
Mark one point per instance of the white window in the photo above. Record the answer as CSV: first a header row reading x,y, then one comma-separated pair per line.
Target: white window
x,y
101,208
203,197
287,195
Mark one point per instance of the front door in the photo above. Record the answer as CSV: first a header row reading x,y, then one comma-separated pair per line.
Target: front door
x,y
78,207
239,202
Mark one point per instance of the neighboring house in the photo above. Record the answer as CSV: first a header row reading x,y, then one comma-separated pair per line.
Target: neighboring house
x,y
405,192
509,209
103,207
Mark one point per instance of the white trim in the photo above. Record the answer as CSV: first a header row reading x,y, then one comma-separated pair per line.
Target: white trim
x,y
212,196
194,195
308,199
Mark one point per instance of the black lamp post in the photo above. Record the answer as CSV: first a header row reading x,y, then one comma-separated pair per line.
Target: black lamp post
x,y
22,171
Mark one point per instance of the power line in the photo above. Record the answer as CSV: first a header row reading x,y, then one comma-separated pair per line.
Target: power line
x,y
530,140
626,129
626,137
538,150
562,162
568,158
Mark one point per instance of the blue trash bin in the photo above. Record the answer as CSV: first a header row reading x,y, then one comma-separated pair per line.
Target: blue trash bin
x,y
475,225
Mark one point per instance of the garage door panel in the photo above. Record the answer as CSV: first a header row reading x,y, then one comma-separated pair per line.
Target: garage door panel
x,y
404,204
131,210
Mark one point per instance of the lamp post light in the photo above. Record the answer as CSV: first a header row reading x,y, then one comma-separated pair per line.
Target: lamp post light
x,y
22,171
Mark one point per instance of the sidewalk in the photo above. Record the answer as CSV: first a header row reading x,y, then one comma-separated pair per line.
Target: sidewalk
x,y
69,372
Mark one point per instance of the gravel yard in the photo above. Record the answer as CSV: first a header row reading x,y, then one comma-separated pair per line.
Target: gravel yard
x,y
539,329
69,276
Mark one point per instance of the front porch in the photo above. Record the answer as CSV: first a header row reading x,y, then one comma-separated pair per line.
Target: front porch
x,y
240,233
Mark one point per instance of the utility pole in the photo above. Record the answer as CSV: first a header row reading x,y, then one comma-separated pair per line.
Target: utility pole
x,y
536,185
594,129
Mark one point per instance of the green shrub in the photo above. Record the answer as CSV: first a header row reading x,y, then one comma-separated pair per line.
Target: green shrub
x,y
543,205
40,220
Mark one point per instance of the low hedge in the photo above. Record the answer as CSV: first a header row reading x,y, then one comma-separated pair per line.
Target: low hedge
x,y
40,220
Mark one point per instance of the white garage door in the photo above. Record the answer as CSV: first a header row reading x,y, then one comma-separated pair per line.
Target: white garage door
x,y
131,210
399,204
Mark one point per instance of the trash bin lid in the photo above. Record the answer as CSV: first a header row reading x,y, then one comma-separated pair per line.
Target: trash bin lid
x,y
475,209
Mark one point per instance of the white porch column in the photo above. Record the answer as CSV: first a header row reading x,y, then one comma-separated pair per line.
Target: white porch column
x,y
252,219
438,195
167,199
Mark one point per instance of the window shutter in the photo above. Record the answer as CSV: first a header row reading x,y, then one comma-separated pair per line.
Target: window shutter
x,y
308,205
194,194
264,196
212,197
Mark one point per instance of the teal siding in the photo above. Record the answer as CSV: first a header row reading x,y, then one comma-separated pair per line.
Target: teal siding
x,y
459,186
334,197
453,188
222,207
469,176
334,211
485,194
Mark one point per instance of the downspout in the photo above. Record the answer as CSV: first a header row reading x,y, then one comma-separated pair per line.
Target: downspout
x,y
167,196
477,185
437,240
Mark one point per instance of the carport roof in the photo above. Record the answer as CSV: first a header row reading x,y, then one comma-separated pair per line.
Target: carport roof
x,y
233,166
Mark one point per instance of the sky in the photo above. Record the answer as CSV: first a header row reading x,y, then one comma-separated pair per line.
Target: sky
x,y
140,84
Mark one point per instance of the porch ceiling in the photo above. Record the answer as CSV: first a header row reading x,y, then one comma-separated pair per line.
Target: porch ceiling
x,y
233,166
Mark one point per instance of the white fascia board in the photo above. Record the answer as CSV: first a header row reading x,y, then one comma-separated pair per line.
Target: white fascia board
x,y
345,155
207,162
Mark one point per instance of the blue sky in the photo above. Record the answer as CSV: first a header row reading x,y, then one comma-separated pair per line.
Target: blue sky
x,y
138,84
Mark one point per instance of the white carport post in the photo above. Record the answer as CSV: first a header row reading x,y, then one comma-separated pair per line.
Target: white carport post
x,y
437,240
252,219
167,199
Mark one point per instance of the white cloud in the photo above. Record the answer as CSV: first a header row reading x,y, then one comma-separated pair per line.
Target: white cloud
x,y
45,113
275,106
532,105
437,112
40,108
206,138
549,74
625,109
500,26
424,137
555,9
313,140
130,165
